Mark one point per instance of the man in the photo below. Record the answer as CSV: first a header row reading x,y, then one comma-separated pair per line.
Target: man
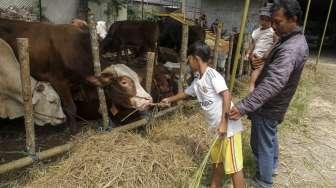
x,y
267,104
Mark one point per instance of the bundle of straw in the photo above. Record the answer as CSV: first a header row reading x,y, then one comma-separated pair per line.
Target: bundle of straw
x,y
196,181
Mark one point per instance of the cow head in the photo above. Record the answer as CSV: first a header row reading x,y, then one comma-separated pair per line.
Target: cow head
x,y
47,105
122,87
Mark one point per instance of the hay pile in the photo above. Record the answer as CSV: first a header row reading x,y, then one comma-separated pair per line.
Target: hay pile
x,y
166,157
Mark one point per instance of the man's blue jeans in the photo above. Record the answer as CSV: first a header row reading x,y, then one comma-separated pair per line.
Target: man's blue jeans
x,y
265,147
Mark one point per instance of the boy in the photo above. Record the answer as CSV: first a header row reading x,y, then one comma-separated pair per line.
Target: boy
x,y
212,93
263,39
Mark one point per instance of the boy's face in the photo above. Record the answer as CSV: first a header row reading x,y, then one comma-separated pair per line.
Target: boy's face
x,y
193,62
265,22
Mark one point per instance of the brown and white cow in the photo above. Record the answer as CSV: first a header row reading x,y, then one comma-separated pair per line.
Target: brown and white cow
x,y
61,55
47,107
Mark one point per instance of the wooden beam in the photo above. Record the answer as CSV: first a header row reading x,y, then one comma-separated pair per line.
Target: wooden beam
x,y
183,56
23,53
306,16
97,69
150,70
218,37
240,41
323,35
23,162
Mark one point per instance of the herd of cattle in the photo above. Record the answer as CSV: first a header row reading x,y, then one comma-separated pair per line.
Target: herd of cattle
x,y
62,76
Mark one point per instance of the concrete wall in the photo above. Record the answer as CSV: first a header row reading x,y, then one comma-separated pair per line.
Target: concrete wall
x,y
101,14
230,11
60,11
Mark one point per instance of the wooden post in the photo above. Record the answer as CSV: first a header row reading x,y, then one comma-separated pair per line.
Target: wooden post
x,y
240,41
229,59
306,16
183,56
23,53
218,37
323,35
97,69
142,9
150,70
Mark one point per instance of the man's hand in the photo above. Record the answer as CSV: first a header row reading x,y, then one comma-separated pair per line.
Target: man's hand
x,y
235,114
257,61
165,102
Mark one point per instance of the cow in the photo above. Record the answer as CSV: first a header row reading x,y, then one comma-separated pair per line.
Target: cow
x,y
139,35
47,107
171,34
61,54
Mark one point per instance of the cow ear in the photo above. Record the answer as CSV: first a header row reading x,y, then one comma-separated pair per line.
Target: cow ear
x,y
106,79
94,81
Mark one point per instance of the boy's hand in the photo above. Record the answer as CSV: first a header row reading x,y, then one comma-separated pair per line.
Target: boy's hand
x,y
165,102
222,129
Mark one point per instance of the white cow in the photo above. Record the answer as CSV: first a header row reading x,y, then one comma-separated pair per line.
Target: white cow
x,y
46,102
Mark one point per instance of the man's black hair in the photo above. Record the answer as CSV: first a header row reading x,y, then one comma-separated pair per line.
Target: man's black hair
x,y
201,50
291,8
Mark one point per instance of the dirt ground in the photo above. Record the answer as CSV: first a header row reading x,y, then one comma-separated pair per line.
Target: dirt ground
x,y
308,149
307,137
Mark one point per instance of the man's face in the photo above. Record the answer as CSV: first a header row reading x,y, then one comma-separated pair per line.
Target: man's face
x,y
281,23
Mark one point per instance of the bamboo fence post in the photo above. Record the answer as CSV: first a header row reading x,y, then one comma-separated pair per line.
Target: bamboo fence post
x,y
240,41
229,59
150,70
20,163
306,16
97,69
23,53
183,56
323,35
218,37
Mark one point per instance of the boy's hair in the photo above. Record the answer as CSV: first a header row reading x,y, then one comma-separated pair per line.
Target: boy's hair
x,y
292,8
201,50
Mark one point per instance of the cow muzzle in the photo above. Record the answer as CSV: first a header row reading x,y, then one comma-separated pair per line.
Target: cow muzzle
x,y
141,103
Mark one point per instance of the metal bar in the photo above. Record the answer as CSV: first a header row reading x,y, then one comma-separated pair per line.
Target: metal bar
x,y
323,35
97,69
240,41
23,162
142,9
218,37
306,16
23,53
183,56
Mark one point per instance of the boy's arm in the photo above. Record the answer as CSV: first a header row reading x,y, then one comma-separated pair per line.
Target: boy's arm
x,y
177,97
226,109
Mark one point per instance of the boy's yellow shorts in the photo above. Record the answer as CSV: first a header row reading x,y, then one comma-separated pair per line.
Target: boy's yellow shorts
x,y
229,152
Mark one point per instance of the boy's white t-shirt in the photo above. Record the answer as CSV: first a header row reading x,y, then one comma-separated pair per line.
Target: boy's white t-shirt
x,y
207,90
263,40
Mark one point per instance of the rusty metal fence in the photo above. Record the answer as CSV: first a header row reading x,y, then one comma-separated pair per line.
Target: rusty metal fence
x,y
26,10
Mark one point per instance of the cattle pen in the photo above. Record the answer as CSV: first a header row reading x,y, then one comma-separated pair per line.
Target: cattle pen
x,y
151,58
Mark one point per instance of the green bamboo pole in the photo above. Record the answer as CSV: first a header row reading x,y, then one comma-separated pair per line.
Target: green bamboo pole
x,y
323,35
306,16
240,41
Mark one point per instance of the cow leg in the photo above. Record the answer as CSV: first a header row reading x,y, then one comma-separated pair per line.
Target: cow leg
x,y
69,107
